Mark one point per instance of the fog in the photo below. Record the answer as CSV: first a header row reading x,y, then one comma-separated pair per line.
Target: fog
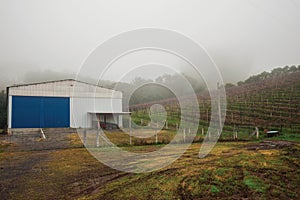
x,y
46,40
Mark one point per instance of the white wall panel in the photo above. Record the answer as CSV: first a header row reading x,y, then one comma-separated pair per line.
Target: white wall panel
x,y
82,106
9,112
84,98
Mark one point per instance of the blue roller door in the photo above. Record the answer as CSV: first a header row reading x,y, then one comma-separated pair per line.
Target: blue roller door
x,y
40,112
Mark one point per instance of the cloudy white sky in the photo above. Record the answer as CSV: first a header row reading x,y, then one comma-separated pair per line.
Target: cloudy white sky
x,y
243,37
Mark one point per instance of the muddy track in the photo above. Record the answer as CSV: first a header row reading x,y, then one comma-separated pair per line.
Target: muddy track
x,y
94,185
107,195
269,144
182,191
13,169
25,154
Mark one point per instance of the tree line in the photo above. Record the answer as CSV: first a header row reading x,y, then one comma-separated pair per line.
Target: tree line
x,y
3,109
274,73
153,90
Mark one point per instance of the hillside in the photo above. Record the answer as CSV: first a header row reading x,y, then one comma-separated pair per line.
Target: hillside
x,y
269,103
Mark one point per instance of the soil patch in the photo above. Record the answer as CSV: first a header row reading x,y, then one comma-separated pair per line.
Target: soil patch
x,y
269,144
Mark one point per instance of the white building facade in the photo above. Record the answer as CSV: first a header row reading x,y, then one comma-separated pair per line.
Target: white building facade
x,y
64,103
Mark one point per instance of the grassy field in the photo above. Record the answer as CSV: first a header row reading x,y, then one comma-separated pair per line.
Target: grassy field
x,y
122,139
233,170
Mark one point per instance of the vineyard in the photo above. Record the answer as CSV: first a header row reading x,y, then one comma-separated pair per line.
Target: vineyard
x,y
269,104
60,168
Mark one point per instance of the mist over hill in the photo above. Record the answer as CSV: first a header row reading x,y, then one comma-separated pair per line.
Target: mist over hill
x,y
152,91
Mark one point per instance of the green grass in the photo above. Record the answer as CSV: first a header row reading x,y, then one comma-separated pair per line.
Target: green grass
x,y
287,137
214,189
255,184
230,171
287,133
121,139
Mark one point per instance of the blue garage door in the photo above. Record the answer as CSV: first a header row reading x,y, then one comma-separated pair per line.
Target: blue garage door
x,y
40,112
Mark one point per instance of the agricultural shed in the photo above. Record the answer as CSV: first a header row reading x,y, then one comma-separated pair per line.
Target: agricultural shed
x,y
56,104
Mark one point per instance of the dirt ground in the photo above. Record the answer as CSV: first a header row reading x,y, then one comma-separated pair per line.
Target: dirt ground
x,y
269,144
27,165
60,168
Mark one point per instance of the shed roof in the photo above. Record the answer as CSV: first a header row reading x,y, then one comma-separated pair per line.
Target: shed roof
x,y
63,88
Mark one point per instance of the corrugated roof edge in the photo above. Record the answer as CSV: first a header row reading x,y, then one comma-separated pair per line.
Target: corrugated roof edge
x,y
70,79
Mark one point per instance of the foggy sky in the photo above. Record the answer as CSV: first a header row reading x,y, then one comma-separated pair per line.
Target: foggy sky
x,y
243,37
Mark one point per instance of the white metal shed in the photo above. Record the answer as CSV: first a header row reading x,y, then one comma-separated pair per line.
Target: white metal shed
x,y
63,103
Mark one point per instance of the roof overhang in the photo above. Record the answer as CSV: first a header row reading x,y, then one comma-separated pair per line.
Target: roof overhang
x,y
106,112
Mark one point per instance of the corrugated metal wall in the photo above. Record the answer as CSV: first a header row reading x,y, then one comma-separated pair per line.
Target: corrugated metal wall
x,y
82,97
80,107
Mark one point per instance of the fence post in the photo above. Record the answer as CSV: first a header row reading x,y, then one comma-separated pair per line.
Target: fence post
x,y
207,115
184,135
234,133
97,135
257,132
84,137
130,131
97,138
156,132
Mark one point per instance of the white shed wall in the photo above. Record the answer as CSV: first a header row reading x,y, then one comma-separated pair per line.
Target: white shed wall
x,y
9,111
80,107
84,98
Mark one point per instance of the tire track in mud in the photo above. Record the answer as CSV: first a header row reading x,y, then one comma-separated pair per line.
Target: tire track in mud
x,y
145,177
94,185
